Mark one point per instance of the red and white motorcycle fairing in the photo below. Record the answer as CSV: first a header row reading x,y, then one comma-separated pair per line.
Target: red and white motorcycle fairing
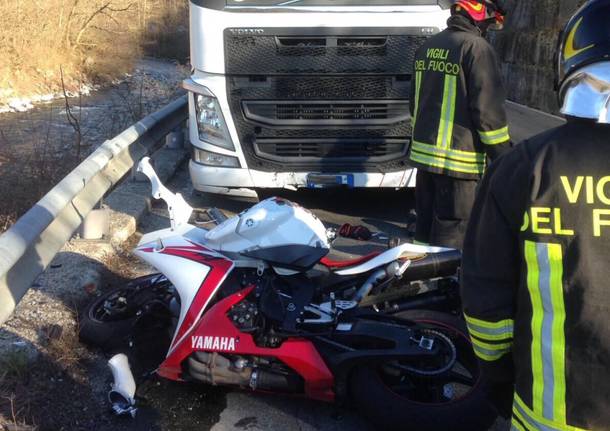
x,y
198,273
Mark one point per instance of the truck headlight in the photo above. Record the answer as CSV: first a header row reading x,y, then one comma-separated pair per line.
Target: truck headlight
x,y
211,123
208,158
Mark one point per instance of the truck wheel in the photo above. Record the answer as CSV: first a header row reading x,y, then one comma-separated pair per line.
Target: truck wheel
x,y
454,400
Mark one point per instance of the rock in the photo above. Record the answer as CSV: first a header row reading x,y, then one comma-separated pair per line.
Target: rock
x,y
20,105
54,332
89,281
526,49
49,333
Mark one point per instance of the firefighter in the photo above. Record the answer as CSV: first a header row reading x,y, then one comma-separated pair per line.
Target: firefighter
x,y
537,252
459,118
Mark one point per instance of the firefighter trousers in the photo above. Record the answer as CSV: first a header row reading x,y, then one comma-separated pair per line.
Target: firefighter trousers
x,y
443,206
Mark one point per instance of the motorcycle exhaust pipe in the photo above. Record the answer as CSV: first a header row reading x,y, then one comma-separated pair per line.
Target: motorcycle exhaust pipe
x,y
434,265
394,269
215,369
275,382
368,285
124,387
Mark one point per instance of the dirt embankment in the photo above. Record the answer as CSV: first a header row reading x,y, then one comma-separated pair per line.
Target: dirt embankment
x,y
89,42
57,52
56,48
40,146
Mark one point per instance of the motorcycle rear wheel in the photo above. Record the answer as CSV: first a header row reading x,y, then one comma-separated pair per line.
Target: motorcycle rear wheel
x,y
454,400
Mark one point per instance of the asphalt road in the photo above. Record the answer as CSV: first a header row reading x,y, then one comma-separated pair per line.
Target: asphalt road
x,y
384,212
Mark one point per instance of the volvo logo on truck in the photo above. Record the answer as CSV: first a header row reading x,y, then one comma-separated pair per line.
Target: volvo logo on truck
x,y
247,31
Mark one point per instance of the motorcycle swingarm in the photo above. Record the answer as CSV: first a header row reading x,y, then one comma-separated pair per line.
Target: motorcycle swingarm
x,y
341,358
388,340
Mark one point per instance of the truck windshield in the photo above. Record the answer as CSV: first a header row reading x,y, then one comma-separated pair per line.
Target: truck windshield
x,y
331,2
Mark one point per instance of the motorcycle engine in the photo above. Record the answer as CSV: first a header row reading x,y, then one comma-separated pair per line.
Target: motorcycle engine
x,y
266,310
244,316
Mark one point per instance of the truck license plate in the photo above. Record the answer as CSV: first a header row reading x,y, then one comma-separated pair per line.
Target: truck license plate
x,y
322,181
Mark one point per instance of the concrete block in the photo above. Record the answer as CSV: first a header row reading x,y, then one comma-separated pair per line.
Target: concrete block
x,y
96,225
175,140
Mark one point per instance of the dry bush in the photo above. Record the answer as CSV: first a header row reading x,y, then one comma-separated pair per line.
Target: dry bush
x,y
83,41
27,173
14,370
92,40
35,175
166,31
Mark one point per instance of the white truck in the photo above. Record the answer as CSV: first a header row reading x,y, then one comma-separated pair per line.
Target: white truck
x,y
304,93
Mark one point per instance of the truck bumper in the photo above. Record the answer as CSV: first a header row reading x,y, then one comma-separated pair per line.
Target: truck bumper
x,y
241,182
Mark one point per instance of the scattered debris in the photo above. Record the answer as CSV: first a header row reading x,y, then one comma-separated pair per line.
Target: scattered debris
x,y
122,395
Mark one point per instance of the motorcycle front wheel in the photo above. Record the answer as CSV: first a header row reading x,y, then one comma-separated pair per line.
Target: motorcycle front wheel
x,y
452,399
108,322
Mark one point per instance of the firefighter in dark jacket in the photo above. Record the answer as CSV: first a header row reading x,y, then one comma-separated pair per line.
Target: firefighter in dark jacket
x,y
536,270
459,118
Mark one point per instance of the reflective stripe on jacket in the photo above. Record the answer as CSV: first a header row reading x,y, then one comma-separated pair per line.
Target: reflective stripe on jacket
x,y
535,278
457,102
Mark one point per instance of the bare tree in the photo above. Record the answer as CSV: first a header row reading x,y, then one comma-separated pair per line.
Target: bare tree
x,y
72,119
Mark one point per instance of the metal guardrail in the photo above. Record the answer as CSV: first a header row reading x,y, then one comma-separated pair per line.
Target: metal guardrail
x,y
30,245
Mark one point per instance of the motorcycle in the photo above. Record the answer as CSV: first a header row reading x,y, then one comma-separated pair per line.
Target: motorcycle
x,y
255,303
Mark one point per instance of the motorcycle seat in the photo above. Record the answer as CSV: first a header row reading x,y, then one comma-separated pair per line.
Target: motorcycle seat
x,y
340,264
426,262
402,252
357,265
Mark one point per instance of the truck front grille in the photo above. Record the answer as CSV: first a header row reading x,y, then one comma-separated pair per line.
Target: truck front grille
x,y
307,150
282,108
322,99
281,51
322,113
326,88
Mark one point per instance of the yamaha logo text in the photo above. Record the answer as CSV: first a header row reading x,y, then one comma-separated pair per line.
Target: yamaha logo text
x,y
213,343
